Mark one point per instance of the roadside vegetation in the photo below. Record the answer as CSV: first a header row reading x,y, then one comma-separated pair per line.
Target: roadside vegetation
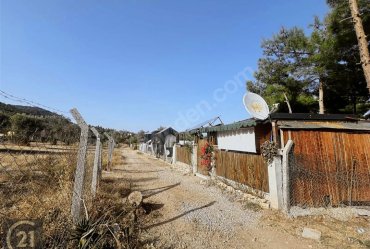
x,y
39,186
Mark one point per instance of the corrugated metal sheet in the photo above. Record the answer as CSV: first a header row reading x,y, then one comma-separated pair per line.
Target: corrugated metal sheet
x,y
230,127
313,116
208,123
312,125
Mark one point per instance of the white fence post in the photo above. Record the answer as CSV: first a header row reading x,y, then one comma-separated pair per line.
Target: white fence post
x,y
95,177
100,164
165,153
80,169
275,183
112,149
111,145
285,176
194,158
174,151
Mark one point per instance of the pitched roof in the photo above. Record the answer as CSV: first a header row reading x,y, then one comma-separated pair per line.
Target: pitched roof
x,y
207,123
302,125
313,116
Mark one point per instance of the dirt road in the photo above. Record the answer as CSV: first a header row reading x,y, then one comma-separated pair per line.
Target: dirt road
x,y
187,214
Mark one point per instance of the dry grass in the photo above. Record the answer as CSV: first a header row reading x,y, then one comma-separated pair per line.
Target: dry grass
x,y
111,203
38,185
335,233
251,206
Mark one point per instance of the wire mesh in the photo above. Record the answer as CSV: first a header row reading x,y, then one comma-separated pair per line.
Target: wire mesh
x,y
36,179
315,182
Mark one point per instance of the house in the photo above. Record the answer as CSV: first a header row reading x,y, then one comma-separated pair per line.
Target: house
x,y
160,142
145,143
242,136
186,137
328,164
163,141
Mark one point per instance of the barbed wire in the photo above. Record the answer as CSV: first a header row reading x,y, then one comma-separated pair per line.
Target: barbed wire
x,y
31,103
37,177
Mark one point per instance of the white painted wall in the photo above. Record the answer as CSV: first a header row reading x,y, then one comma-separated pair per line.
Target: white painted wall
x,y
239,140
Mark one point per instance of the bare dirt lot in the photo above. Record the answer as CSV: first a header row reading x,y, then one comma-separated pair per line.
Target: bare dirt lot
x,y
182,213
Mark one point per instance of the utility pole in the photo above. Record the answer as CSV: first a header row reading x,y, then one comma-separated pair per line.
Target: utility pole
x,y
362,42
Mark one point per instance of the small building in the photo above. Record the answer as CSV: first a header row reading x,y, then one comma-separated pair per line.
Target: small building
x,y
329,162
163,141
160,142
147,137
242,136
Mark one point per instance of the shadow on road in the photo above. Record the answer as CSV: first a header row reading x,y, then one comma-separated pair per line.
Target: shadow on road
x,y
137,171
130,180
179,216
149,207
159,190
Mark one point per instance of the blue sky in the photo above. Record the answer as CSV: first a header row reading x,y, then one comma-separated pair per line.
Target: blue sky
x,y
139,64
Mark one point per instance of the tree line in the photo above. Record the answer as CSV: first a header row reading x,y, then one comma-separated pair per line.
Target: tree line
x,y
25,124
317,72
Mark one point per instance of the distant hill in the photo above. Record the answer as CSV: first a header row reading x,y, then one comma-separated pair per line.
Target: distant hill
x,y
51,121
9,109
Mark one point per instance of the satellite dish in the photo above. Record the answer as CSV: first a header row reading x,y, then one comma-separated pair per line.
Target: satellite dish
x,y
256,106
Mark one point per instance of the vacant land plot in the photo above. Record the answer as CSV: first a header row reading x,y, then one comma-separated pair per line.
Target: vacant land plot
x,y
36,182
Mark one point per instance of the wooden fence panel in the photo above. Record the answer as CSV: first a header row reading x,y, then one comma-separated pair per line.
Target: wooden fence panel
x,y
330,168
247,169
183,154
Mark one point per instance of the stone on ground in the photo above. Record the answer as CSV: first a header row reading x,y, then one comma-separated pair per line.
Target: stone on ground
x,y
310,233
135,198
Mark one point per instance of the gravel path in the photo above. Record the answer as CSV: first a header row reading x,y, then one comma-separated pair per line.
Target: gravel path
x,y
187,214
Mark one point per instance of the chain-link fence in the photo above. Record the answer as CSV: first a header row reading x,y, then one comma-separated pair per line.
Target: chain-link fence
x,y
321,182
37,172
45,174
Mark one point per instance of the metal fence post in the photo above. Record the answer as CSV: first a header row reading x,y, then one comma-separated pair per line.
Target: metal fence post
x,y
95,177
80,169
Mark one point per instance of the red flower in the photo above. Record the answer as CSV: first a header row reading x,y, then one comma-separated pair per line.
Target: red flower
x,y
206,155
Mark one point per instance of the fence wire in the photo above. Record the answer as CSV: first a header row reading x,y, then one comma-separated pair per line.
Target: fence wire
x,y
328,183
36,180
